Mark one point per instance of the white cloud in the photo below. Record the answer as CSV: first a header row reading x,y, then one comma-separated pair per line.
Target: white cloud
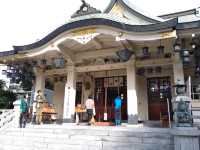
x,y
25,21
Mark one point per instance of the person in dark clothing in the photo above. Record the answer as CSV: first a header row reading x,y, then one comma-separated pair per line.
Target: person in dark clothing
x,y
23,112
118,104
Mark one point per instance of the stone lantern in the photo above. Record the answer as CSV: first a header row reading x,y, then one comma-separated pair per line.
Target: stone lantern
x,y
182,107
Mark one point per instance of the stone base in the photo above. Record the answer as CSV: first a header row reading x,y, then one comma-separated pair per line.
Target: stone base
x,y
69,120
186,138
184,125
132,119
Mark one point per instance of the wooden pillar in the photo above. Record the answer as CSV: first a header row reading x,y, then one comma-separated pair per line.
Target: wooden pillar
x,y
70,95
132,102
39,81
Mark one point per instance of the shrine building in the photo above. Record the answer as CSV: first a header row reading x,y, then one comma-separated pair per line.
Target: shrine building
x,y
121,51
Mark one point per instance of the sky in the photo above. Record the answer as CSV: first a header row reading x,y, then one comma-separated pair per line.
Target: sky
x,y
26,21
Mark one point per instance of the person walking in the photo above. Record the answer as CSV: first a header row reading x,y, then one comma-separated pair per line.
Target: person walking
x,y
23,112
90,108
118,104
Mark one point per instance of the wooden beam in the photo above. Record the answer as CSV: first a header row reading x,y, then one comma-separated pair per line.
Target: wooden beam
x,y
90,68
67,52
98,43
104,67
96,53
56,72
154,62
114,66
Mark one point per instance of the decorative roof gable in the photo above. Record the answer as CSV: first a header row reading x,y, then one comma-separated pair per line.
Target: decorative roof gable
x,y
125,9
85,9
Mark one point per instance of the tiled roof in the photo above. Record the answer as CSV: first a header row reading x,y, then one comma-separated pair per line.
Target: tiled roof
x,y
99,21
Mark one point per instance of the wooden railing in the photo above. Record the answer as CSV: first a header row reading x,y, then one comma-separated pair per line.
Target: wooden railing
x,y
6,116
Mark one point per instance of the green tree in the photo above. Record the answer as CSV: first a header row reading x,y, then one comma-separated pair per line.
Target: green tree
x,y
2,84
6,97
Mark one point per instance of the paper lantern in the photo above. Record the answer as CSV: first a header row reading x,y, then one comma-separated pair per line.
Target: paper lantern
x,y
124,54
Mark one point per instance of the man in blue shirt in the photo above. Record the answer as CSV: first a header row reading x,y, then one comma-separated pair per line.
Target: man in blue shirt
x,y
23,112
118,104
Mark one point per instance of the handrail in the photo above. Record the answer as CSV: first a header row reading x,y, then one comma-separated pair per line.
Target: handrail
x,y
6,116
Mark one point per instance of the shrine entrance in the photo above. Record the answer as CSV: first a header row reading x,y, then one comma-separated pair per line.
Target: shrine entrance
x,y
106,90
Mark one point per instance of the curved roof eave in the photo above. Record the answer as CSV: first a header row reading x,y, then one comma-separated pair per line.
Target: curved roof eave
x,y
8,53
134,10
99,22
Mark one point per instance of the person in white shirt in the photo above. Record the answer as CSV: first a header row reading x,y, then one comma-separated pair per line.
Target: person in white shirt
x,y
90,108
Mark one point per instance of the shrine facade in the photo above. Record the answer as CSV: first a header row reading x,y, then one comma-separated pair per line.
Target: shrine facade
x,y
119,52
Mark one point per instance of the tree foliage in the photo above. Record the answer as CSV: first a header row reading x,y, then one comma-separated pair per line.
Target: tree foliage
x,y
6,97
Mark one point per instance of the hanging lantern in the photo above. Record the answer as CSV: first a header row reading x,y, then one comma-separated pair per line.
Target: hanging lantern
x,y
197,70
124,54
145,51
9,67
9,75
177,46
43,62
160,50
34,63
185,55
55,79
59,62
12,80
4,72
141,71
193,44
158,69
150,70
61,79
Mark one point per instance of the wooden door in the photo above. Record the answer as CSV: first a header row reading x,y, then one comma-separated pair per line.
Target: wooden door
x,y
158,91
112,93
101,91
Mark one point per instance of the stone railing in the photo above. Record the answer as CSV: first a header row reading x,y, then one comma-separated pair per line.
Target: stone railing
x,y
6,116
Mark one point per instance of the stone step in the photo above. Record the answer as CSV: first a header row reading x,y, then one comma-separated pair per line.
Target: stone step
x,y
76,138
85,138
142,138
105,146
105,132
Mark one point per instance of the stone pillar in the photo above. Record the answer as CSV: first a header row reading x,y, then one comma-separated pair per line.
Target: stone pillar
x,y
16,113
70,95
178,69
186,138
132,102
39,81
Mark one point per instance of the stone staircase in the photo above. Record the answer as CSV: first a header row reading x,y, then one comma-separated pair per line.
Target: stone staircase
x,y
72,137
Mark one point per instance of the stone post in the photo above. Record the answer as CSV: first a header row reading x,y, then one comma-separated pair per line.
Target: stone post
x,y
70,95
16,113
186,138
132,102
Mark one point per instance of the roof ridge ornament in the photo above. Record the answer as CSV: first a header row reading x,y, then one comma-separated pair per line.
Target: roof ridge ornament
x,y
85,9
